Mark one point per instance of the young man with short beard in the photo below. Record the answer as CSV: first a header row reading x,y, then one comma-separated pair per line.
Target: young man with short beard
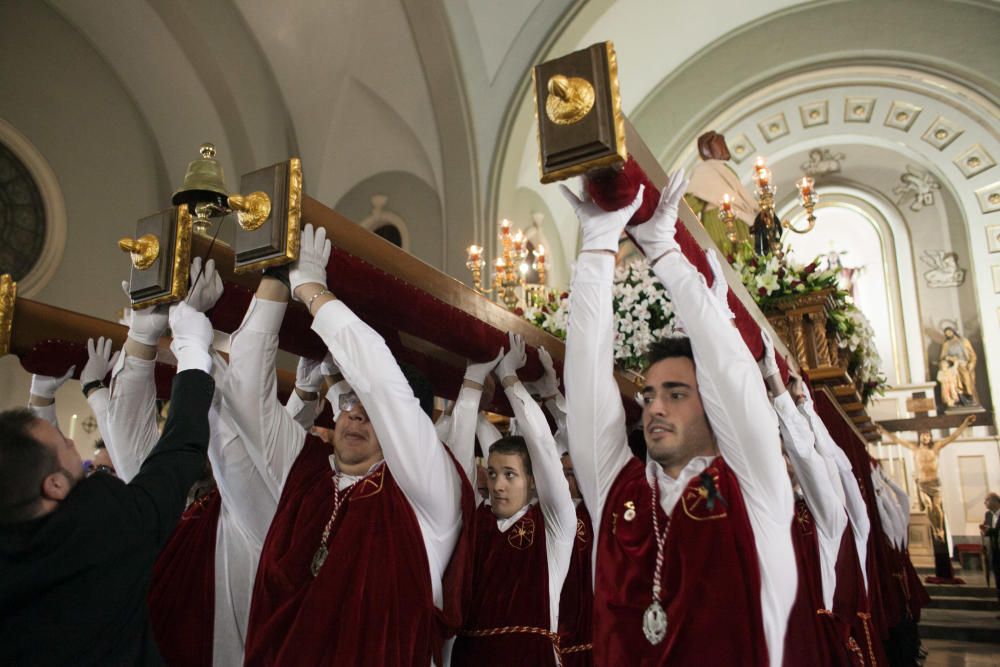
x,y
694,561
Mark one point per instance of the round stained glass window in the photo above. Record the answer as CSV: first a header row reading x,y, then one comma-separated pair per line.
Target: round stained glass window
x,y
22,217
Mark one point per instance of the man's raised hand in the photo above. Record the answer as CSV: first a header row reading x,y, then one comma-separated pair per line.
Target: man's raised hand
x,y
600,229
655,237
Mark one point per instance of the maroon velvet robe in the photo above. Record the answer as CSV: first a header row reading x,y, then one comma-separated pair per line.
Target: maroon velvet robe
x,y
815,636
852,609
576,603
372,603
182,591
510,589
711,579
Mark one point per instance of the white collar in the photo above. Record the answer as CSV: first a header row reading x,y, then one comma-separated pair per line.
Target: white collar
x,y
347,480
669,489
504,524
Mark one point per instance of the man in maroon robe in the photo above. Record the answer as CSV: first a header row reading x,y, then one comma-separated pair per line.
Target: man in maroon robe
x,y
354,565
694,561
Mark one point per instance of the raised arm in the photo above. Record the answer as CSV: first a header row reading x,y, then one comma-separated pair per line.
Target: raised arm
x,y
940,444
461,437
554,498
303,403
158,491
250,392
896,439
42,395
99,363
419,462
595,418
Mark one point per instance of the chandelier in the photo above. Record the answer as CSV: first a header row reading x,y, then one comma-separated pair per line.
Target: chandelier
x,y
511,268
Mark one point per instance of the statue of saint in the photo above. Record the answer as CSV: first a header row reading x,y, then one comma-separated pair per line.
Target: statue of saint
x,y
947,377
959,351
928,485
711,178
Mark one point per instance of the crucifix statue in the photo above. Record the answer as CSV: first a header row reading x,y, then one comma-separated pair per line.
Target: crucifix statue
x,y
926,452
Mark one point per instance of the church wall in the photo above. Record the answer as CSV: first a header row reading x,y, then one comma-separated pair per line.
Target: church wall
x,y
61,95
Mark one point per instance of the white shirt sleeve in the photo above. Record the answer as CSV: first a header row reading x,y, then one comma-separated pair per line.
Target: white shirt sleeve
x,y
462,434
487,434
903,501
598,442
419,462
250,393
131,414
746,431
554,499
98,402
814,479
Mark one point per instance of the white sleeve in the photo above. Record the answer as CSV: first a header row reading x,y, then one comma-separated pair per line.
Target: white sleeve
x,y
814,478
746,431
98,402
303,412
46,412
419,461
487,434
811,469
462,434
903,501
131,413
443,427
552,488
595,420
250,393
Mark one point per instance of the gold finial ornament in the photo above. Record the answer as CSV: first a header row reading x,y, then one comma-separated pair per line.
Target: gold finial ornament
x,y
252,210
144,250
8,297
569,100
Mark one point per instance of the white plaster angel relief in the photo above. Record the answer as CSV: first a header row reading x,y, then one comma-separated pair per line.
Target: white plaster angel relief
x,y
918,185
944,271
822,162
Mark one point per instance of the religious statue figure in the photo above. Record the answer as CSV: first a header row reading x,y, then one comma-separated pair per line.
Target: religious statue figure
x,y
944,271
947,377
710,179
926,451
959,352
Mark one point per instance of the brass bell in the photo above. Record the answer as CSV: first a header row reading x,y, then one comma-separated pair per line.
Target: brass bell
x,y
204,183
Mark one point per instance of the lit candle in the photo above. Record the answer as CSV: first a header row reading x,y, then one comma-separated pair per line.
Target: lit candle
x,y
504,227
726,205
805,187
72,427
474,253
518,241
524,268
759,163
763,177
540,254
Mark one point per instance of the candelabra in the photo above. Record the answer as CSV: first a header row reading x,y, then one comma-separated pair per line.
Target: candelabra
x,y
808,198
511,267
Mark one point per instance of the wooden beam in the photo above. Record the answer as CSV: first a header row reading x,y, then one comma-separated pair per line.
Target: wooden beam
x,y
926,423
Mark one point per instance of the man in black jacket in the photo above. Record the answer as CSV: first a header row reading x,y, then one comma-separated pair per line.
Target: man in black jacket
x,y
76,553
990,528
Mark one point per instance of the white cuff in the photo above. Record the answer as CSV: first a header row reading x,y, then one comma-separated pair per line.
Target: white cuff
x,y
190,358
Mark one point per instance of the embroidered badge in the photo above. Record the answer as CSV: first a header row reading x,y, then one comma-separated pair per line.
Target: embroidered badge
x,y
803,518
702,500
370,486
581,533
629,510
522,535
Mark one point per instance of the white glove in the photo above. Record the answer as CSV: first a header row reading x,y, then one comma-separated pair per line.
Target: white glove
x,y
768,364
193,336
309,375
656,236
147,325
329,367
209,288
45,386
601,229
100,361
514,359
720,288
547,385
314,253
478,372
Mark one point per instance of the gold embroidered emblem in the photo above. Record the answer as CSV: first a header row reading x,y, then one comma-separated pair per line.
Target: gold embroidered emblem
x,y
804,519
629,510
522,535
581,531
370,486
